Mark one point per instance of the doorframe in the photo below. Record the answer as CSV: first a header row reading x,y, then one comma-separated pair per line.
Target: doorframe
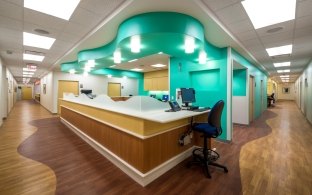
x,y
251,99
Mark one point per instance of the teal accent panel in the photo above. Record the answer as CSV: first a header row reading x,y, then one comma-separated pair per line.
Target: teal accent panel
x,y
209,81
206,79
239,82
259,75
158,31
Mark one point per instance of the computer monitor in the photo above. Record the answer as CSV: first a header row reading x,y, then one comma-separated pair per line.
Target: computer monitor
x,y
165,98
86,91
188,96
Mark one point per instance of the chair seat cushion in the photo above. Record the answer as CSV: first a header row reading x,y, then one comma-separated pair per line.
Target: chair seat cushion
x,y
205,128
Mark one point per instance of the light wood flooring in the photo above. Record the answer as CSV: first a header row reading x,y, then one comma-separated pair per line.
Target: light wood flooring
x,y
39,155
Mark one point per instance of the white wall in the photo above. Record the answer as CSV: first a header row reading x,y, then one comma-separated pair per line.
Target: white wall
x,y
286,96
304,92
2,92
240,110
46,100
97,83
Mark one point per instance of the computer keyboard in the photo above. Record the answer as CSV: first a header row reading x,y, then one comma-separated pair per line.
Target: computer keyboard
x,y
201,109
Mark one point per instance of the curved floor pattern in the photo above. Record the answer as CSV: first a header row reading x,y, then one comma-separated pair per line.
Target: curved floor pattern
x,y
19,175
82,170
281,162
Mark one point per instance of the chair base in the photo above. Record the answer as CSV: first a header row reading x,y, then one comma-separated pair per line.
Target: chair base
x,y
206,157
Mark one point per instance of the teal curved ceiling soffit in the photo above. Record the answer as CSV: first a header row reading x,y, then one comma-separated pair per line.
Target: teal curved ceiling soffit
x,y
158,31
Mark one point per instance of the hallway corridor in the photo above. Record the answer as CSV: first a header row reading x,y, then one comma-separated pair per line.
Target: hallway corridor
x,y
39,155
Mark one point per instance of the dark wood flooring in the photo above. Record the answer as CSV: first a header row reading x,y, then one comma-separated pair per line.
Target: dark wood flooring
x,y
79,169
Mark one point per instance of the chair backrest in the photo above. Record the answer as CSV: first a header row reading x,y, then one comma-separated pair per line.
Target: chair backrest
x,y
214,118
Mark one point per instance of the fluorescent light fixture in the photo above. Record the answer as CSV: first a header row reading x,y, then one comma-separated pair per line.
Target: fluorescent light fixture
x,y
85,74
281,64
136,69
33,40
26,75
268,12
124,77
87,68
189,44
91,63
158,65
274,51
27,69
72,71
133,60
160,52
117,57
202,57
109,76
282,71
135,44
284,76
57,8
30,73
33,57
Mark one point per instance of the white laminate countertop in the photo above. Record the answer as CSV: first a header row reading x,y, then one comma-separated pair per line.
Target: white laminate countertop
x,y
157,115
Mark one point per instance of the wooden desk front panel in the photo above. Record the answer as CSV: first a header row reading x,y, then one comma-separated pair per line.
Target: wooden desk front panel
x,y
142,154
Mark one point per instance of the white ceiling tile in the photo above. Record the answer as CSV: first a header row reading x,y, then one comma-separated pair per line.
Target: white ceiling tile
x,y
278,39
84,17
304,8
76,29
253,43
10,23
243,36
287,26
68,38
304,21
11,10
101,7
43,20
217,4
232,14
241,26
303,32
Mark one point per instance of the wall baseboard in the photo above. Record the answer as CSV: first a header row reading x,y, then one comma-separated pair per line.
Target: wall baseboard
x,y
141,178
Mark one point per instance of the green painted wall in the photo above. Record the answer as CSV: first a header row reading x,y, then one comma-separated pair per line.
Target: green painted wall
x,y
239,82
259,76
209,81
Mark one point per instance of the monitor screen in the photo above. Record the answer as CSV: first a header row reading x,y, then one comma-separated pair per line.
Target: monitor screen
x,y
188,96
86,91
165,98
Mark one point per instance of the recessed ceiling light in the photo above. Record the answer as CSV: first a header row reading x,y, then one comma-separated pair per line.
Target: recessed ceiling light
x,y
274,51
133,60
189,44
117,56
60,9
202,57
282,71
27,69
136,69
33,57
267,12
109,76
135,44
29,73
281,64
37,41
91,63
160,52
85,74
112,66
284,76
158,65
72,71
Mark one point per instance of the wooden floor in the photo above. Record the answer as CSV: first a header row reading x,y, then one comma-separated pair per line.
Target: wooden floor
x,y
39,155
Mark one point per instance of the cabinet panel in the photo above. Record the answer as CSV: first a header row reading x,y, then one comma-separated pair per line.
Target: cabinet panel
x,y
148,84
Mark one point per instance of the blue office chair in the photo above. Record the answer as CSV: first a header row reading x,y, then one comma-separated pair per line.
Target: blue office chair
x,y
205,156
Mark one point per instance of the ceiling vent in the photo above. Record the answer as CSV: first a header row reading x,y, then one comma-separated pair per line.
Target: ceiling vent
x,y
34,52
41,31
274,30
280,57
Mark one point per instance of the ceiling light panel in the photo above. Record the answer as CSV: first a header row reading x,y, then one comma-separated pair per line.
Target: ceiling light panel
x,y
264,13
33,57
58,8
27,69
33,40
281,64
136,69
158,65
274,51
282,71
